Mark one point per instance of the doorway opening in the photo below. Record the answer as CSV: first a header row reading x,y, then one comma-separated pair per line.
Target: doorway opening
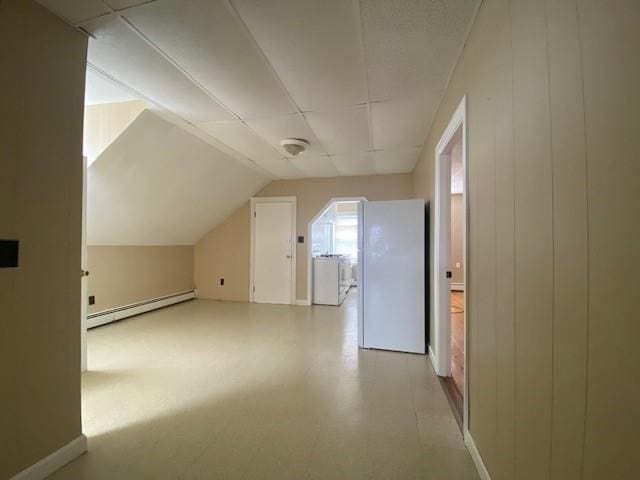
x,y
449,353
273,250
333,253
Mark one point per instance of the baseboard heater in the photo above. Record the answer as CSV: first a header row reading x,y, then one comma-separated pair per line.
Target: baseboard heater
x,y
114,314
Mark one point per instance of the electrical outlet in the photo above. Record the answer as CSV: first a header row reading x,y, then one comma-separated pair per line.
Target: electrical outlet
x,y
92,299
222,282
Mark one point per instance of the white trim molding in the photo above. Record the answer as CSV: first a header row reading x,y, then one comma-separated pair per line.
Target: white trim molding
x,y
442,256
54,461
111,315
475,456
303,302
433,358
457,287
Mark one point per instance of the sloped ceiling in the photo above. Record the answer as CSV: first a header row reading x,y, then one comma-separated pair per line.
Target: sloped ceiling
x,y
158,184
360,79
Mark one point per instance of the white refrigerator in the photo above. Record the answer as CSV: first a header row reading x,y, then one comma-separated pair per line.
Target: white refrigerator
x,y
391,273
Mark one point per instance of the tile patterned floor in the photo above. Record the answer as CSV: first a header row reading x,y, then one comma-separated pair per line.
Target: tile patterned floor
x,y
224,390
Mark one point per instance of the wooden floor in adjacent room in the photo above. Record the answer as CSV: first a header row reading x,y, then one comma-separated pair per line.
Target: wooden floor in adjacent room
x,y
457,340
231,390
454,385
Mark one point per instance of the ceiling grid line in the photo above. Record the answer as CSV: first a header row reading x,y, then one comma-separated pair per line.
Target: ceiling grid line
x,y
366,76
299,111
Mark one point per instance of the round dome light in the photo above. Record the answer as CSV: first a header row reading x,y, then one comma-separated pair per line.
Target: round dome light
x,y
294,146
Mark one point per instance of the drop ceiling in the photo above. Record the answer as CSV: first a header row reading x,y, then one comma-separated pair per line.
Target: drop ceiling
x,y
360,80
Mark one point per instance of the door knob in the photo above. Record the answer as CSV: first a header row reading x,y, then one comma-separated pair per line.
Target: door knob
x,y
288,256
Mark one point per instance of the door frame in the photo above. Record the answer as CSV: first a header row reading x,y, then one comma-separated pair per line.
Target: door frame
x,y
321,212
441,355
84,299
293,202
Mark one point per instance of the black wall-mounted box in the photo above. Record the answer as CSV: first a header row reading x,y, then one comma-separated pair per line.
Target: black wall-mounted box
x,y
9,253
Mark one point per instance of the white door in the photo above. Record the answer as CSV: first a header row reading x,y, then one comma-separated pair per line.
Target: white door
x,y
273,252
393,281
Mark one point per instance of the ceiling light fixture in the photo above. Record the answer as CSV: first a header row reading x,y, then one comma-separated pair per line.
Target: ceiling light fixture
x,y
294,146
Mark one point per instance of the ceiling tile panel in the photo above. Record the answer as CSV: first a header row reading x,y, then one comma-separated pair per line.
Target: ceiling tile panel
x,y
205,38
75,11
275,129
315,166
119,51
315,47
402,123
397,160
242,139
99,89
281,168
120,4
343,130
411,46
360,163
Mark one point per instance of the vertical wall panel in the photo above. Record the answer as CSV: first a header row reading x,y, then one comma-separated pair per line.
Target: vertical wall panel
x,y
504,247
534,241
610,36
482,285
565,252
570,240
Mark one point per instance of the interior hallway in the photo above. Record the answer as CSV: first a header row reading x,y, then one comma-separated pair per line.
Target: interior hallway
x,y
211,389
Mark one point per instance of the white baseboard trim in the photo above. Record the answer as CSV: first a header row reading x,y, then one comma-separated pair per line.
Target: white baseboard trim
x,y
434,360
303,303
457,287
475,456
55,461
108,316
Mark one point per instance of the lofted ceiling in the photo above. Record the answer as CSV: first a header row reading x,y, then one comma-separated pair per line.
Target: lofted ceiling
x,y
360,80
158,184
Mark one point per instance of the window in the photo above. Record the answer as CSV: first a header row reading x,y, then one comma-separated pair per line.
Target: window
x,y
346,237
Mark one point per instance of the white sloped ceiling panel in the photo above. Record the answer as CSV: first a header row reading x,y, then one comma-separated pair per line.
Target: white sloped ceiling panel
x,y
315,166
342,130
314,46
205,38
122,53
159,185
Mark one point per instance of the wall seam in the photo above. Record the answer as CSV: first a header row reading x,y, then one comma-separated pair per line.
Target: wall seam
x,y
515,279
586,168
495,273
553,239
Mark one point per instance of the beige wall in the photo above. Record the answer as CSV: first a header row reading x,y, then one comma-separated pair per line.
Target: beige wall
x,y
553,107
224,252
122,275
457,273
42,83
